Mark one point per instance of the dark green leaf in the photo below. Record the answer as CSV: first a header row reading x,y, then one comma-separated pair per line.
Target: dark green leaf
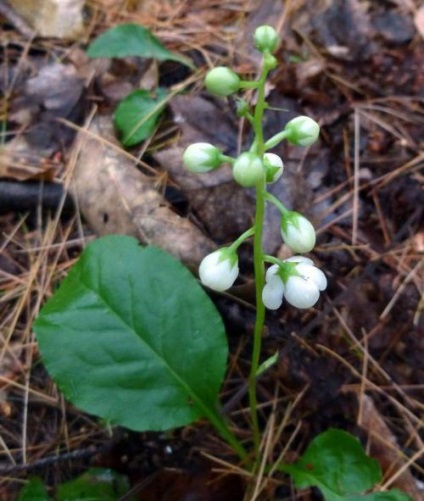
x,y
34,490
336,463
130,336
132,40
136,116
96,484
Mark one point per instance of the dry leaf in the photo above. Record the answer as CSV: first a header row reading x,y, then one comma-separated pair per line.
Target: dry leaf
x,y
24,162
52,18
384,447
116,198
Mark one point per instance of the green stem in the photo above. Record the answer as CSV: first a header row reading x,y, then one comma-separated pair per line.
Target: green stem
x,y
221,426
272,259
259,267
249,84
244,236
274,140
277,203
227,159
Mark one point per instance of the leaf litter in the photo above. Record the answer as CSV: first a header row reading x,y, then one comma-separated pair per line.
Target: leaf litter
x,y
356,361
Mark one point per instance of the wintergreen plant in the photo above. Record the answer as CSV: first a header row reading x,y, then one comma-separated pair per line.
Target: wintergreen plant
x,y
128,334
295,279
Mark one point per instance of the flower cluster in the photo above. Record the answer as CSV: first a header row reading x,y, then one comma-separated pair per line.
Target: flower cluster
x,y
295,279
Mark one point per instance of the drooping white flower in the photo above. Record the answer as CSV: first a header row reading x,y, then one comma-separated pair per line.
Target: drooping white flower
x,y
274,167
302,131
202,157
297,280
219,270
297,232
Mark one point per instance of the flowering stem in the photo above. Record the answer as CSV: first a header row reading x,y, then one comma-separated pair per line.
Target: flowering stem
x,y
274,140
227,159
276,202
258,261
248,84
272,259
244,236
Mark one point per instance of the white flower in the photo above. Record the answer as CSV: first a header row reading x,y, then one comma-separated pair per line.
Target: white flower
x,y
297,279
201,157
302,290
219,270
272,293
303,131
273,167
248,169
297,232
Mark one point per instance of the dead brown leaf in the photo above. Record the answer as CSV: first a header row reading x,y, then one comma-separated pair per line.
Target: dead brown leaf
x,y
116,198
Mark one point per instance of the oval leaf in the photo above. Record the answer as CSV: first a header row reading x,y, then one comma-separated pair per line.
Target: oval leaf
x,y
130,336
335,462
136,116
132,40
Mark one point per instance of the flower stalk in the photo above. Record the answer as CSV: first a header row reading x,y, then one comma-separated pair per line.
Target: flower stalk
x,y
295,279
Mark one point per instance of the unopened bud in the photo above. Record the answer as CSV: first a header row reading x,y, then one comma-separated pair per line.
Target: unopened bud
x,y
302,131
222,81
248,169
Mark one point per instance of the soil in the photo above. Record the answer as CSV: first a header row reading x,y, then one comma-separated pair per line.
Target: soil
x,y
355,360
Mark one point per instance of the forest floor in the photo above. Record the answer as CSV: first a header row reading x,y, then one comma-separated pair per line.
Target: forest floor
x,y
355,360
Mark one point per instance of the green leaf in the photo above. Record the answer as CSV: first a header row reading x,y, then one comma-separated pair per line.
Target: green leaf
x,y
132,40
130,336
137,115
96,484
34,490
336,463
266,364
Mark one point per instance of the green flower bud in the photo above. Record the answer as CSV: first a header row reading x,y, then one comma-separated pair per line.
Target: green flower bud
x,y
297,232
222,81
248,169
273,167
201,157
303,131
266,39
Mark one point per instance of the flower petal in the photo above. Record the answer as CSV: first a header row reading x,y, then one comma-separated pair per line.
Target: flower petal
x,y
272,295
301,292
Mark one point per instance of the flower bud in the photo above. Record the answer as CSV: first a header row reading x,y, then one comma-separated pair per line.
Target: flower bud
x,y
303,131
248,169
219,270
297,232
201,157
273,167
266,39
221,81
